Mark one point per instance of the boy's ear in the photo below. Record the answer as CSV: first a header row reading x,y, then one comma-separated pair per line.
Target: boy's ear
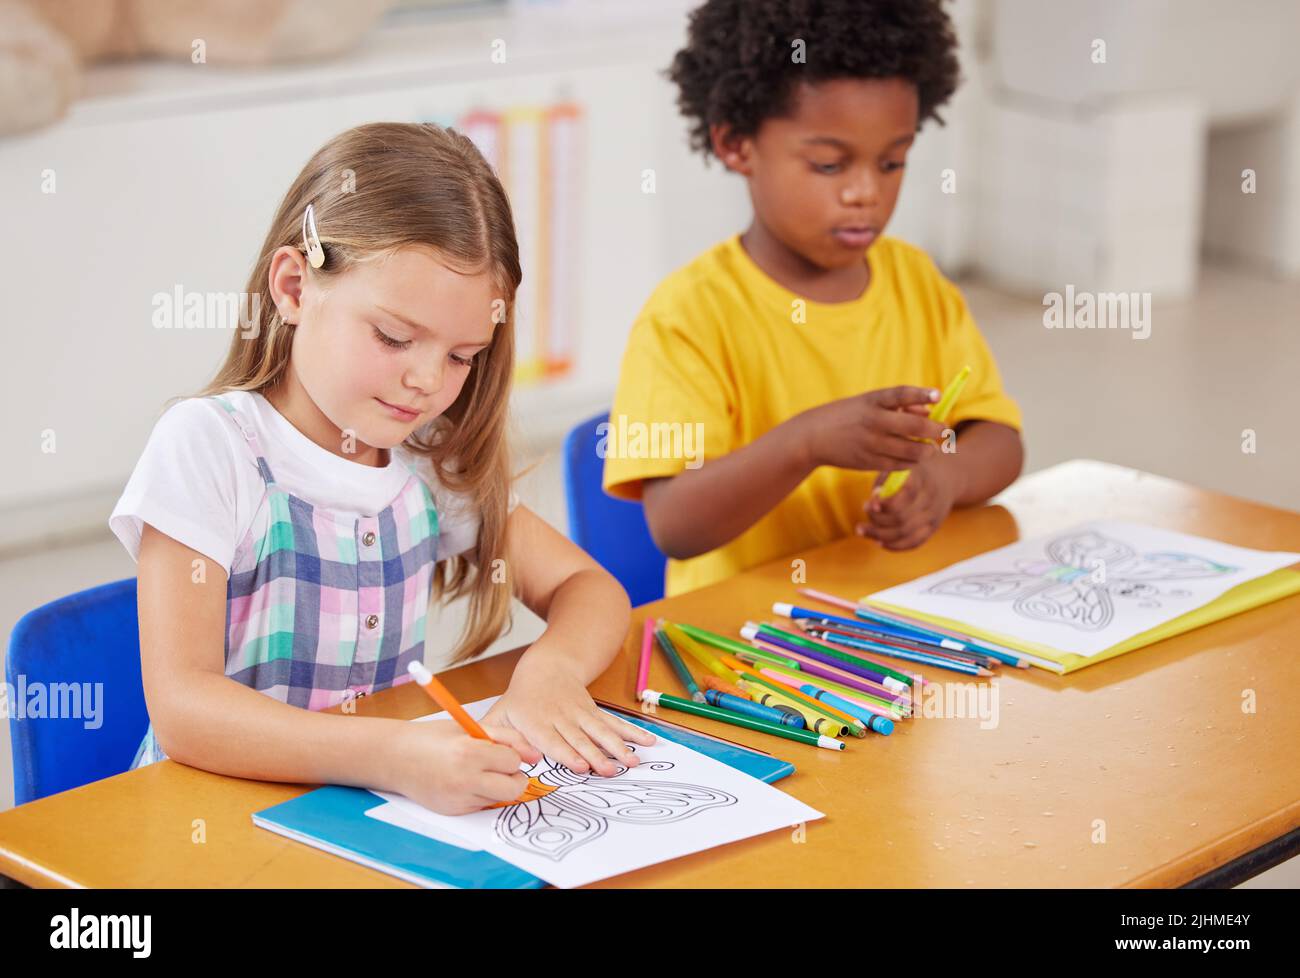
x,y
734,151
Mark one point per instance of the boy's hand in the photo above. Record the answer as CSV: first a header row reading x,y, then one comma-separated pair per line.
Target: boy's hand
x,y
908,517
876,430
550,706
446,770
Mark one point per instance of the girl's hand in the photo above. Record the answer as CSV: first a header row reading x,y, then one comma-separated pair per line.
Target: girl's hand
x,y
908,517
440,766
548,704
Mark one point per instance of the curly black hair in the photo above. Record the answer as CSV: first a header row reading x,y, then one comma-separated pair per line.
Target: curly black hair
x,y
738,68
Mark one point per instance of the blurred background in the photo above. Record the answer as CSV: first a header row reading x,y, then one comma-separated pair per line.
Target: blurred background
x,y
1149,146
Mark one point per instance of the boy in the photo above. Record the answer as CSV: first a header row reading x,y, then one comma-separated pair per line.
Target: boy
x,y
784,346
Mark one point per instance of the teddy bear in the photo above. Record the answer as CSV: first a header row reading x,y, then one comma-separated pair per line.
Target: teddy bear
x,y
45,44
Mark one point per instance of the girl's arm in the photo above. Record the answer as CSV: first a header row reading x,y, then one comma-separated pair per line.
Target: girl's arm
x,y
204,719
587,619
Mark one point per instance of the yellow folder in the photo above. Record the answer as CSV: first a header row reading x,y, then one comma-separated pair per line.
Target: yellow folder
x,y
1243,597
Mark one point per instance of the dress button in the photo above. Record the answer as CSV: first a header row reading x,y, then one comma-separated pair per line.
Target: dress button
x,y
368,539
372,621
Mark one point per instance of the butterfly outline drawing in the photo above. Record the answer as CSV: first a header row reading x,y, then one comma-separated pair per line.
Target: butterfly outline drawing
x,y
564,811
1064,588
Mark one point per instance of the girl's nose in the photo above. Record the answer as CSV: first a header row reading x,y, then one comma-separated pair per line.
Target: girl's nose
x,y
428,376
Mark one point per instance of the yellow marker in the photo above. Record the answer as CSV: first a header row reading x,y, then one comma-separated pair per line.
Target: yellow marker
x,y
895,480
702,655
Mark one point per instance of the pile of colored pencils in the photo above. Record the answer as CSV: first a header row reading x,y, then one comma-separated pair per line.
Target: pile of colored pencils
x,y
808,678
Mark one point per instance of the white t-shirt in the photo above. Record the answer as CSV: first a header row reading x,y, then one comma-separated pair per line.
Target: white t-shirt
x,y
197,480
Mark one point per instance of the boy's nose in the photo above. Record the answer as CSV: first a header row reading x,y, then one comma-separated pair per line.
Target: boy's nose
x,y
861,191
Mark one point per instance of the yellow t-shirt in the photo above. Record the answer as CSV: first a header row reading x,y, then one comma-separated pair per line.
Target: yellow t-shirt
x,y
723,351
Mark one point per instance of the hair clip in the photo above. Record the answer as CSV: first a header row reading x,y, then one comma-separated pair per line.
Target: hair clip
x,y
315,250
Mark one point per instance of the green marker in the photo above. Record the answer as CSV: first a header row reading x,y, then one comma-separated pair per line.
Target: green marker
x,y
736,719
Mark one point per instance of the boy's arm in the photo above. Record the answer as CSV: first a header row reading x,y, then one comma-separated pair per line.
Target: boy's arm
x,y
988,458
701,509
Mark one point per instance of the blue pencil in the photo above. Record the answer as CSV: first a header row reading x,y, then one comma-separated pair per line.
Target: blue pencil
x,y
872,721
897,653
967,645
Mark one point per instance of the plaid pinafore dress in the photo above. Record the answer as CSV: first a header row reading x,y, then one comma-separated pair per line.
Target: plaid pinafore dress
x,y
321,607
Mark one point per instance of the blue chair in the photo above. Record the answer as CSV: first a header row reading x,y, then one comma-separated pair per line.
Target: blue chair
x,y
85,638
612,530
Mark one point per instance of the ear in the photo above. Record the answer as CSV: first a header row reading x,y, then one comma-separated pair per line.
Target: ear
x,y
285,279
735,152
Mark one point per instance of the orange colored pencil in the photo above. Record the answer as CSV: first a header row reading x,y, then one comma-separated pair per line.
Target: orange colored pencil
x,y
441,695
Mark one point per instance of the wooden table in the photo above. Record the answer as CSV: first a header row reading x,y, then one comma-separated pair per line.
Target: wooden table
x,y
1151,751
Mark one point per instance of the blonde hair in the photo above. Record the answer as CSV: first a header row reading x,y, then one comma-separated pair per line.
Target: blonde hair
x,y
374,189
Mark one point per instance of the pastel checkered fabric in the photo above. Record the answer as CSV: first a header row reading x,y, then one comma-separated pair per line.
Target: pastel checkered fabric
x,y
322,607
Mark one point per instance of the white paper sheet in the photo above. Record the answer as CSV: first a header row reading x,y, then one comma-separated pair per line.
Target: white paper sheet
x,y
676,801
1086,588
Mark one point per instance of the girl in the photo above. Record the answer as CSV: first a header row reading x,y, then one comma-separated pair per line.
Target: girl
x,y
292,521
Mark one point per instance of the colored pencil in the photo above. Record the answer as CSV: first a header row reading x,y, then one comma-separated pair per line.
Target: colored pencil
x,y
655,698
743,704
905,654
806,642
879,724
802,699
842,659
925,628
879,707
647,644
818,670
441,695
970,658
679,667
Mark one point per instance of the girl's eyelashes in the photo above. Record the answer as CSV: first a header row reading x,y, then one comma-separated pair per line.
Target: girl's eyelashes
x,y
396,344
388,340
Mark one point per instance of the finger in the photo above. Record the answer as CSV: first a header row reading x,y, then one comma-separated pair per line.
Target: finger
x,y
895,526
913,538
611,742
893,512
905,499
630,731
915,521
902,452
909,426
897,397
499,757
510,737
555,745
493,788
592,754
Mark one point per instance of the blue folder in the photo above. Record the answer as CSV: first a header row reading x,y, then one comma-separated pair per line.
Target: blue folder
x,y
333,818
